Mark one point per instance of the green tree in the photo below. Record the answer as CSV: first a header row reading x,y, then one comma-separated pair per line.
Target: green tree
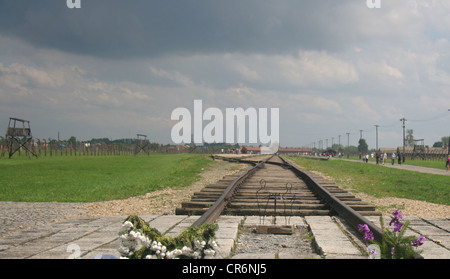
x,y
409,138
362,146
444,142
72,142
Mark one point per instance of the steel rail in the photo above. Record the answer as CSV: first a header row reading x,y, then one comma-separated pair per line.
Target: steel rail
x,y
350,215
217,208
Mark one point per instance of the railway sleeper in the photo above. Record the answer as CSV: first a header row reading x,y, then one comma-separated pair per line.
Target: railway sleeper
x,y
252,212
280,206
303,201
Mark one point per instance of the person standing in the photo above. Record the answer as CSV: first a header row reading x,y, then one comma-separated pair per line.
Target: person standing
x,y
393,158
384,158
399,158
448,163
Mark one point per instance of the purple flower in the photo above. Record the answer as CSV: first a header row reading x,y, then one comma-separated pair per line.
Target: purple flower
x,y
368,235
396,220
397,216
392,251
363,228
397,226
419,241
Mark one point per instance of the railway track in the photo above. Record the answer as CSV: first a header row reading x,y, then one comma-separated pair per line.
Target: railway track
x,y
273,186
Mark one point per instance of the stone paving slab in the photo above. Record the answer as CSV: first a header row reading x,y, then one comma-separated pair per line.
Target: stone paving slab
x,y
86,238
330,239
226,235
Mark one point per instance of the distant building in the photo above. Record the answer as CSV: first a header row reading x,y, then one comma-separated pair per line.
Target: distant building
x,y
282,150
294,151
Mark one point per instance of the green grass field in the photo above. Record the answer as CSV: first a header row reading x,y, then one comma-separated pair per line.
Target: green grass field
x,y
382,181
95,178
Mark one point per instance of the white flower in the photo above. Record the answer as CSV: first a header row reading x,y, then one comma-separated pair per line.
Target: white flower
x,y
186,250
132,234
123,250
126,226
177,252
214,244
169,255
123,237
155,246
209,252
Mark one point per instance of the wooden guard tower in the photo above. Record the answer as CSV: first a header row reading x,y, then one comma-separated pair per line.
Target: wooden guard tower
x,y
419,149
142,144
18,135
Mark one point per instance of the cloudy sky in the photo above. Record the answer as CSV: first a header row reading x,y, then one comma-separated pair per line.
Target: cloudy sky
x,y
115,68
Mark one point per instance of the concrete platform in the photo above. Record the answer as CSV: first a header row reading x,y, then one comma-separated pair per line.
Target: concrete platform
x,y
87,237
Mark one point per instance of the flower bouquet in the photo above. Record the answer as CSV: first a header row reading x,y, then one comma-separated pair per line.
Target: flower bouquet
x,y
139,241
394,244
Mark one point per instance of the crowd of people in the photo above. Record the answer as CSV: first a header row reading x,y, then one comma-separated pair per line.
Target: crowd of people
x,y
381,158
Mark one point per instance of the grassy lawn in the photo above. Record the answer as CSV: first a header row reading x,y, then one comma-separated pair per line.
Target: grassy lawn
x,y
95,178
382,181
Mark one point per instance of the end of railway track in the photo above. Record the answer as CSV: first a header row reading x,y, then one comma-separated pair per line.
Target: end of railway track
x,y
273,186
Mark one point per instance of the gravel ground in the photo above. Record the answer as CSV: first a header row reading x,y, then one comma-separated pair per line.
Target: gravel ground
x,y
407,207
252,245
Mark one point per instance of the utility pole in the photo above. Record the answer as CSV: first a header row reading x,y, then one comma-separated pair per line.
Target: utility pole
x,y
348,144
403,120
376,128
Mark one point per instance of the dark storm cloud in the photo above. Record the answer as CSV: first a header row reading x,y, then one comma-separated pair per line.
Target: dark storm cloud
x,y
118,28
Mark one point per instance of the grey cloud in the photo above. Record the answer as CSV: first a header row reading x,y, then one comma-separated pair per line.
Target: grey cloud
x,y
117,28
